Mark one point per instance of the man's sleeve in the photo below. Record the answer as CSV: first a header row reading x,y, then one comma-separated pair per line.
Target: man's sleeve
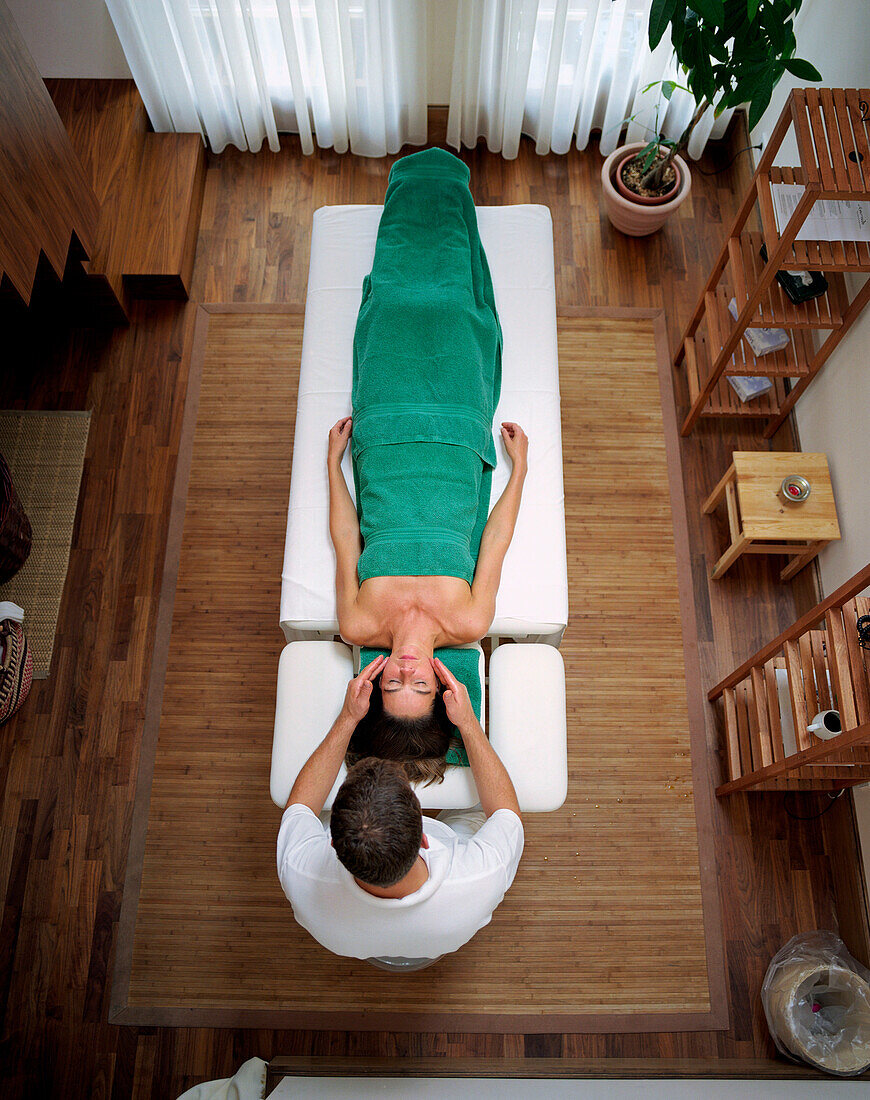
x,y
500,840
302,841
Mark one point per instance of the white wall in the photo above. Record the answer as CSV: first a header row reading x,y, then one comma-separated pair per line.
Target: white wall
x,y
441,25
70,38
834,414
834,35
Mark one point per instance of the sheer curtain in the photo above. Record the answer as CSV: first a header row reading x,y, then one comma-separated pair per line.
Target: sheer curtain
x,y
556,70
343,73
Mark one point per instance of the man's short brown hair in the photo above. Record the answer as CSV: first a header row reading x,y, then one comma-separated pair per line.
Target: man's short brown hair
x,y
377,823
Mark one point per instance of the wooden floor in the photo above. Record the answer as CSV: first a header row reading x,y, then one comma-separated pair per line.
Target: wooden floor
x,y
605,919
69,760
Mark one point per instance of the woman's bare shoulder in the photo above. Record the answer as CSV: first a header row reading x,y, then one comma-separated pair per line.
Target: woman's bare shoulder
x,y
359,626
468,623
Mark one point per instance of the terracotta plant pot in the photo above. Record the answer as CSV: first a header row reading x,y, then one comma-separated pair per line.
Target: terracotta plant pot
x,y
645,200
635,216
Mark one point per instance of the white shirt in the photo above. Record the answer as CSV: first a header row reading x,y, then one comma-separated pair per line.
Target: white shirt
x,y
468,877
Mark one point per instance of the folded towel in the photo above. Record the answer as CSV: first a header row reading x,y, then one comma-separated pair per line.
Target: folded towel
x,y
426,378
465,666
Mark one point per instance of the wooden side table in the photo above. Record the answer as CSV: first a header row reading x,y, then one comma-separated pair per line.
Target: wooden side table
x,y
761,523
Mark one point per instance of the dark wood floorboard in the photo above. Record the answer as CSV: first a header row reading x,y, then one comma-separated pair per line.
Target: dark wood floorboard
x,y
68,761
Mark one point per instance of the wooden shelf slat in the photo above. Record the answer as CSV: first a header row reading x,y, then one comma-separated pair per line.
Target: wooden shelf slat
x,y
796,693
773,707
841,672
859,659
732,734
826,670
833,143
743,736
859,134
776,309
804,137
724,401
761,710
792,361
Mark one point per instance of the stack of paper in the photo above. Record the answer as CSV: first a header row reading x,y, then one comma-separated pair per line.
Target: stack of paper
x,y
828,220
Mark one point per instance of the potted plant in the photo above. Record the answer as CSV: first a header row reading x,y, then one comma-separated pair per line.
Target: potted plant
x,y
731,52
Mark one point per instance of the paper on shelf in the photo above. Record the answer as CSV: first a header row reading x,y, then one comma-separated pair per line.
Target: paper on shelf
x,y
748,388
828,220
762,341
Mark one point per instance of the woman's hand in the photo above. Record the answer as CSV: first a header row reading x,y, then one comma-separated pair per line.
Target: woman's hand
x,y
516,443
456,700
359,690
339,435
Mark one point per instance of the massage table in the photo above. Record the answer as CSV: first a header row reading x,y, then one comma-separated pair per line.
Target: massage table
x,y
526,683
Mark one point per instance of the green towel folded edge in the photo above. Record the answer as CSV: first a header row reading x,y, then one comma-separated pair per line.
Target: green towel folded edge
x,y
465,666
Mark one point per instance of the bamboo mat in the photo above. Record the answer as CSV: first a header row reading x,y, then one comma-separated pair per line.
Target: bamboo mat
x,y
46,454
604,926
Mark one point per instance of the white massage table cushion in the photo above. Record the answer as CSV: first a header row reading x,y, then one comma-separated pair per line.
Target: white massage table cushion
x,y
526,699
533,594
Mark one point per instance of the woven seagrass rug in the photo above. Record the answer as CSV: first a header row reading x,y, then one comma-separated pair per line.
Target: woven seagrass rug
x,y
612,923
46,453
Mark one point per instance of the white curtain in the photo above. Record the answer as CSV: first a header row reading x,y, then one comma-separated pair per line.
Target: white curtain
x,y
343,73
558,69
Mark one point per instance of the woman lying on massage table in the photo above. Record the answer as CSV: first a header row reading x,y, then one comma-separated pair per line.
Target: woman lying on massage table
x,y
418,569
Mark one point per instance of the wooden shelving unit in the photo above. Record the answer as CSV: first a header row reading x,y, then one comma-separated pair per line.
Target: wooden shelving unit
x,y
832,133
771,699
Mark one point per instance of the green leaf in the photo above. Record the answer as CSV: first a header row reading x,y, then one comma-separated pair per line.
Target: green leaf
x,y
775,28
751,82
803,70
711,11
735,17
752,9
704,85
713,44
651,151
660,15
760,102
668,88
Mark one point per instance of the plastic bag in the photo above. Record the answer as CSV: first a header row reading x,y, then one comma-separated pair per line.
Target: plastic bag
x,y
816,998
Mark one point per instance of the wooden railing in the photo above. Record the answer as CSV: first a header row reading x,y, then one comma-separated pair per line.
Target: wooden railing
x,y
771,699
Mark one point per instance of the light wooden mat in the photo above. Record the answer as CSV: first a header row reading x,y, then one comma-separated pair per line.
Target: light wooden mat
x,y
46,454
604,926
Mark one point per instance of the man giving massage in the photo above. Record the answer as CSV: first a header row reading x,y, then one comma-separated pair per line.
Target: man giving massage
x,y
379,880
418,563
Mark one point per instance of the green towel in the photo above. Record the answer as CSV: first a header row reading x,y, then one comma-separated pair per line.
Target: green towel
x,y
465,666
426,378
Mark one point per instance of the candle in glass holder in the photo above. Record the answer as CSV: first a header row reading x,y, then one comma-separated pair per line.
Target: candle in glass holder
x,y
794,489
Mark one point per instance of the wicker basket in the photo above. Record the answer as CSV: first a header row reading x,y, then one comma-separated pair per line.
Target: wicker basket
x,y
15,532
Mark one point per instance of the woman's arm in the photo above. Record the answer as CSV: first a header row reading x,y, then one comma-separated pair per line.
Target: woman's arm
x,y
343,525
499,531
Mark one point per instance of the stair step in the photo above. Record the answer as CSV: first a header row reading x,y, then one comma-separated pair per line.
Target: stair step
x,y
160,244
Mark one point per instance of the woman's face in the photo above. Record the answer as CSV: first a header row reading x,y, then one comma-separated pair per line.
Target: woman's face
x,y
408,684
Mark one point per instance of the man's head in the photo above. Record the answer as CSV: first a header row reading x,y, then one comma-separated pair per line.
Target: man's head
x,y
377,823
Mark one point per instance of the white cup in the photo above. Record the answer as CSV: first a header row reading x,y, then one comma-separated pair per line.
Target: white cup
x,y
826,724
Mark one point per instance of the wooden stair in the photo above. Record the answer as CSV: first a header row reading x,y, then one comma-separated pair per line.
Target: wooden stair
x,y
48,209
150,188
819,665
